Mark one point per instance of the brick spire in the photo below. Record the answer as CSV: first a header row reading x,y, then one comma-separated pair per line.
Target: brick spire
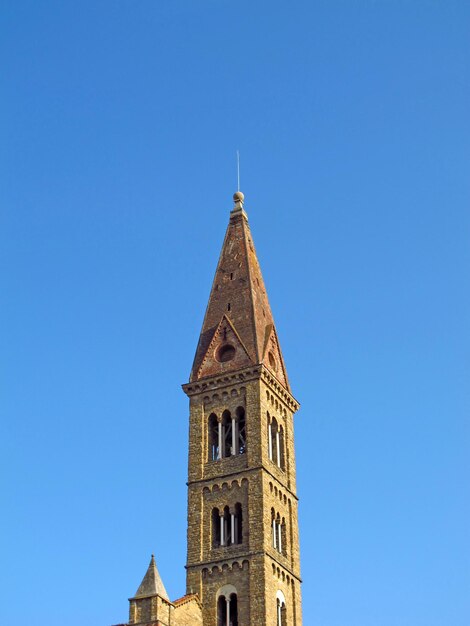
x,y
238,329
152,584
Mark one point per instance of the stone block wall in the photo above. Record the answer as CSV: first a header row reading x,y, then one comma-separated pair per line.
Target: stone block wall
x,y
256,569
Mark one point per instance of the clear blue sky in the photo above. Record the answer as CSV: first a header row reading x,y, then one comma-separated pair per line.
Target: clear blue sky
x,y
119,126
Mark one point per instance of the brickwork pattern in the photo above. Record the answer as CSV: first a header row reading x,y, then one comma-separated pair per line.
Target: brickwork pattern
x,y
254,567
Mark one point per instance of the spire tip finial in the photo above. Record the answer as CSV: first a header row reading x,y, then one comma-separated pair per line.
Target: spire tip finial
x,y
238,199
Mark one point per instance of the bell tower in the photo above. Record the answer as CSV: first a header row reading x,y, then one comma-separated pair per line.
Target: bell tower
x,y
243,543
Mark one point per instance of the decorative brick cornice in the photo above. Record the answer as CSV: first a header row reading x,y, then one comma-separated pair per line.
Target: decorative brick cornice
x,y
248,470
245,557
258,372
218,382
279,389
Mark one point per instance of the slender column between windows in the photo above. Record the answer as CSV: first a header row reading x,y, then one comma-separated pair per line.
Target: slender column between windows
x,y
234,437
274,534
228,611
219,452
278,448
279,527
232,528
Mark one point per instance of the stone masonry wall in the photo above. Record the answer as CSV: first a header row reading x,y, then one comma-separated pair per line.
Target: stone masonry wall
x,y
187,613
255,568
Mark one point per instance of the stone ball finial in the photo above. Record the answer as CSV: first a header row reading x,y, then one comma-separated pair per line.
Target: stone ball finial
x,y
238,196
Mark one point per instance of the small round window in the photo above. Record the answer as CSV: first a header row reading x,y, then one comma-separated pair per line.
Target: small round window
x,y
225,353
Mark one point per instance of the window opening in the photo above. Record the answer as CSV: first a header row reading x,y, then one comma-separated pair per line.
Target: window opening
x,y
213,429
278,533
225,530
238,524
284,537
241,427
276,443
281,448
225,352
215,528
227,436
227,526
281,613
227,610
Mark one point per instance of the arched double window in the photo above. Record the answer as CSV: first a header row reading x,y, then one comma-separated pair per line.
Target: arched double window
x,y
281,612
227,435
276,442
227,606
278,532
227,526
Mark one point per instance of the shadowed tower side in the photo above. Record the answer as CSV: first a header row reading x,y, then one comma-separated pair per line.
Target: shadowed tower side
x,y
243,547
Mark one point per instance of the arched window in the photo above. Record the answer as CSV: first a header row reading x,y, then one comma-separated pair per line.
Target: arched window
x,y
284,537
281,463
278,533
213,431
276,448
227,436
221,611
215,528
227,606
227,526
275,452
281,612
227,441
238,524
241,431
233,621
274,529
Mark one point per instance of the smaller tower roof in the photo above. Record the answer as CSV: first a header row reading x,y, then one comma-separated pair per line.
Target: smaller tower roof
x,y
152,584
